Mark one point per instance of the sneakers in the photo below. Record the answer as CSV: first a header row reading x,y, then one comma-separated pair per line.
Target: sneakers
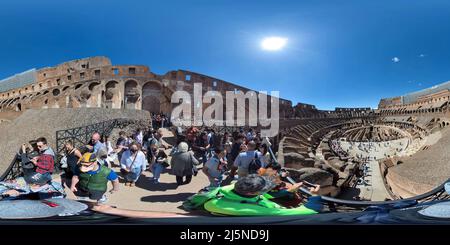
x,y
102,200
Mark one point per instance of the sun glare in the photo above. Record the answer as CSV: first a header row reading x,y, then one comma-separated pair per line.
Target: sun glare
x,y
273,43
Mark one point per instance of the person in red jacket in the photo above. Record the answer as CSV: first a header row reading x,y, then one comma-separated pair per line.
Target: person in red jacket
x,y
45,163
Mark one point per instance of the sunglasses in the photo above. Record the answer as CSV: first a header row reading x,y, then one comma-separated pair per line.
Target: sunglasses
x,y
87,164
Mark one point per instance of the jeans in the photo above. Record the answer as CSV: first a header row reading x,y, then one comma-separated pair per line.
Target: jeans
x,y
204,157
215,182
157,169
38,178
187,181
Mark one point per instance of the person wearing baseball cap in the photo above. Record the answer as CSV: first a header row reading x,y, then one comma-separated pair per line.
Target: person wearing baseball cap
x,y
90,179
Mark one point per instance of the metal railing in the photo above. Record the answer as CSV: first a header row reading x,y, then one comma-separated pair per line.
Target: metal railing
x,y
13,171
335,204
81,136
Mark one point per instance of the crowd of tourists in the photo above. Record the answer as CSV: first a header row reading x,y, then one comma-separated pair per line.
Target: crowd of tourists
x,y
160,120
223,158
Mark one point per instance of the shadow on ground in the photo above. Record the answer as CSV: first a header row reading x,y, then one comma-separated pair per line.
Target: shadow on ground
x,y
146,183
179,197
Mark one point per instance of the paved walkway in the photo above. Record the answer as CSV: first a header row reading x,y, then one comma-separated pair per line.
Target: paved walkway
x,y
165,196
374,189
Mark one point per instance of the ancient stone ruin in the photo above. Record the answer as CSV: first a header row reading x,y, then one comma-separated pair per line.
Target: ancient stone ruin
x,y
319,146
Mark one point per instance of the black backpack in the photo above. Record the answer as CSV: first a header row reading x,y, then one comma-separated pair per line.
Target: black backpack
x,y
254,165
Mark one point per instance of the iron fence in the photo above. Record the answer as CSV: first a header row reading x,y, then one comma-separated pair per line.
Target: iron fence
x,y
14,170
81,136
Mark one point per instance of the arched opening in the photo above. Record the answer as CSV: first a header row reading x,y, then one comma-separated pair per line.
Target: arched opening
x,y
151,94
55,92
131,94
78,86
93,85
65,88
111,96
18,107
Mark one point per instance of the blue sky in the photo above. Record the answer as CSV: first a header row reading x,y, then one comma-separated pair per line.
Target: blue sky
x,y
339,53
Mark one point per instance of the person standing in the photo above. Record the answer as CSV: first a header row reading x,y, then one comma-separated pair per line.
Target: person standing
x,y
90,179
236,147
265,152
159,162
121,144
71,158
183,164
215,167
201,147
139,136
95,144
245,159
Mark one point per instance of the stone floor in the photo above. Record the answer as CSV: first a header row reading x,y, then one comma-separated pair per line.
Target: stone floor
x,y
165,196
374,189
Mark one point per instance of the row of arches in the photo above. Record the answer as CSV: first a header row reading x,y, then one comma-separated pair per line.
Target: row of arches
x,y
108,94
417,111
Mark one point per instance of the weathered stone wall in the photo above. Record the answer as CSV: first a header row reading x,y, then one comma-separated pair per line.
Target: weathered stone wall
x,y
95,82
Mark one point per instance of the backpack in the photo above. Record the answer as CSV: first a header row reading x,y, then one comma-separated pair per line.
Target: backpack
x,y
254,165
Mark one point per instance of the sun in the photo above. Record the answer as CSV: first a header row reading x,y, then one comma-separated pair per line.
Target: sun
x,y
273,43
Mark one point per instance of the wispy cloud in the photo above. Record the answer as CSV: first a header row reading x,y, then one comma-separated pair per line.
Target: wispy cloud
x,y
422,55
395,59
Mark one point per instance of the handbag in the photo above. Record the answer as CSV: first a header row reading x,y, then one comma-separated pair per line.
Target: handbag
x,y
165,164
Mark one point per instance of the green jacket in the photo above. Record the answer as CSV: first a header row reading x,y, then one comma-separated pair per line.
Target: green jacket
x,y
95,182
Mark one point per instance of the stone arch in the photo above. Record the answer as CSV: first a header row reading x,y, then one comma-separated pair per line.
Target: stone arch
x,y
13,101
112,95
151,97
93,85
78,86
94,99
131,94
